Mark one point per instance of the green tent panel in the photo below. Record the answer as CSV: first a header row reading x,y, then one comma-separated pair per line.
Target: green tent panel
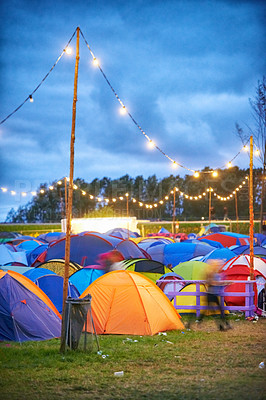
x,y
149,268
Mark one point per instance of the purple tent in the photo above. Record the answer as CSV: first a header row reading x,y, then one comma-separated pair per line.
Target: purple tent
x,y
23,315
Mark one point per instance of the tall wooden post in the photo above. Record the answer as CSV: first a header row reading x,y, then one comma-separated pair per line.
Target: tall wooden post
x,y
262,190
251,212
237,224
70,197
65,196
210,204
127,205
173,223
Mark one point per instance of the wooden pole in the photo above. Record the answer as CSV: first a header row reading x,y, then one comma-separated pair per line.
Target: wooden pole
x,y
127,205
262,190
210,204
237,224
173,223
70,198
251,212
65,196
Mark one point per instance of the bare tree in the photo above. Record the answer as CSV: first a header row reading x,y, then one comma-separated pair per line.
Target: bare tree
x,y
258,105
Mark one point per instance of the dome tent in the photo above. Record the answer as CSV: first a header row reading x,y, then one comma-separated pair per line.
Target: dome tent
x,y
26,313
125,302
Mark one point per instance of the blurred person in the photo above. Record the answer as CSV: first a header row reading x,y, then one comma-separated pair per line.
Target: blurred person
x,y
214,289
111,261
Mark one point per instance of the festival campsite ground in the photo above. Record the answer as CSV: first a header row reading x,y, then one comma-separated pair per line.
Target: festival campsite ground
x,y
199,364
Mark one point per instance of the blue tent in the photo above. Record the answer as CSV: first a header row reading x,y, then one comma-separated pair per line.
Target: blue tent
x,y
33,254
16,267
23,314
9,256
163,230
86,248
51,236
175,253
213,243
223,254
35,273
122,233
259,251
52,286
28,245
209,242
84,277
261,239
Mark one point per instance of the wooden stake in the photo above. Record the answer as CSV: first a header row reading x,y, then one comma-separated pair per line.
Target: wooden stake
x,y
70,198
251,212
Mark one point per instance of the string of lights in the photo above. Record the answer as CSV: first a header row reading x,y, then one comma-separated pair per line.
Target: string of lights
x,y
151,143
113,200
124,110
30,96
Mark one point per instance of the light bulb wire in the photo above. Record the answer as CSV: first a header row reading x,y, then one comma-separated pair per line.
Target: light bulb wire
x,y
38,86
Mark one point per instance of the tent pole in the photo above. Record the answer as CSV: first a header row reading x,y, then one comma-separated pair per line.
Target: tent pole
x,y
251,213
70,198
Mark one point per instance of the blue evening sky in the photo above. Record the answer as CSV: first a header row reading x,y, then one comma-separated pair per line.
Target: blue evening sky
x,y
184,69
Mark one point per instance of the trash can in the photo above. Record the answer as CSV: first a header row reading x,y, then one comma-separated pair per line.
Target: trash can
x,y
76,319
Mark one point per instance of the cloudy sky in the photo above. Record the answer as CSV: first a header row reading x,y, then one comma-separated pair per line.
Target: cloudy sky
x,y
184,69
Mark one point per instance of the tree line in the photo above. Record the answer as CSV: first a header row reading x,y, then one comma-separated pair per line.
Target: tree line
x,y
49,205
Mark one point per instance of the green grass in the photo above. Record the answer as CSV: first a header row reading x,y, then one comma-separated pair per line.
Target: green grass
x,y
199,364
188,227
30,229
184,227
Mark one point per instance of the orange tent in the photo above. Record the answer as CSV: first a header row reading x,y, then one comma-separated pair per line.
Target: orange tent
x,y
126,302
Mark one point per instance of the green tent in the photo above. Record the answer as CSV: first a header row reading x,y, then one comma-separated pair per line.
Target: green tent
x,y
192,270
149,268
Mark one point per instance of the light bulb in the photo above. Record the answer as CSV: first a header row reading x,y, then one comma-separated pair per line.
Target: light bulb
x,y
123,110
151,144
174,165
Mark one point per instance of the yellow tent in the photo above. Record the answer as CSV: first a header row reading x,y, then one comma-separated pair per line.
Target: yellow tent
x,y
190,300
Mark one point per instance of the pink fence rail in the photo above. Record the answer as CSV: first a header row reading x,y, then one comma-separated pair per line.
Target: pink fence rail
x,y
249,295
